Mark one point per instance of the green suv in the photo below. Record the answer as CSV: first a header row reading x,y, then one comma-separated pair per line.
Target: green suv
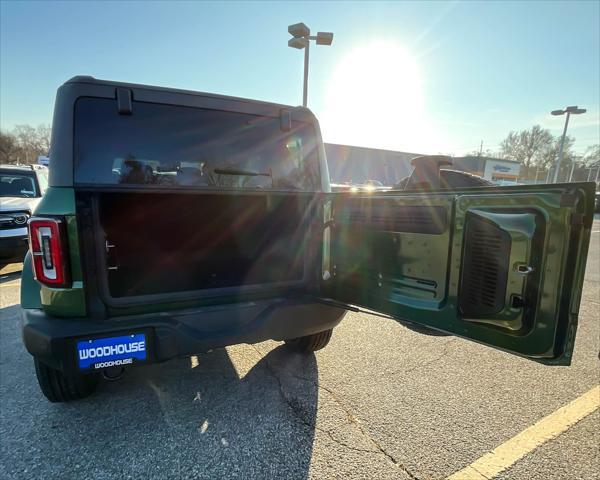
x,y
177,222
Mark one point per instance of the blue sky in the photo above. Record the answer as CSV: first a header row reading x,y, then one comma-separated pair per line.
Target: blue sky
x,y
414,76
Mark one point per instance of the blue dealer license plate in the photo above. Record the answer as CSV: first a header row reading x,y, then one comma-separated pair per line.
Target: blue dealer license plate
x,y
111,351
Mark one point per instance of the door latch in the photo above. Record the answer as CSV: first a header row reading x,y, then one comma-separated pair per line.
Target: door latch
x,y
111,263
525,269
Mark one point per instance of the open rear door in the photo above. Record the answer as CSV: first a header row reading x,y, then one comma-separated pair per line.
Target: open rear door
x,y
502,266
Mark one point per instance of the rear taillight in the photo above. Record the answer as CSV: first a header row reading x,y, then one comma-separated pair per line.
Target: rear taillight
x,y
47,242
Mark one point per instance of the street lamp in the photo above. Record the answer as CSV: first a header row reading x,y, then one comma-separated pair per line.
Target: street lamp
x,y
575,110
301,38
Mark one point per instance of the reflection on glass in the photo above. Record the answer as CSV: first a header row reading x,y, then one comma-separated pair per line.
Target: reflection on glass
x,y
167,145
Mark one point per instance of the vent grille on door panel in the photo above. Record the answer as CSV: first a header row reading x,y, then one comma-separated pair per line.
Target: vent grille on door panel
x,y
410,219
484,271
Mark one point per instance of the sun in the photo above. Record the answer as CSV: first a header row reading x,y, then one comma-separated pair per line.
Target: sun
x,y
374,99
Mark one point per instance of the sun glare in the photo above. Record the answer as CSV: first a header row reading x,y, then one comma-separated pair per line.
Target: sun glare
x,y
374,98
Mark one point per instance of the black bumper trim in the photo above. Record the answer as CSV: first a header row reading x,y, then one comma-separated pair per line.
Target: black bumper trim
x,y
180,333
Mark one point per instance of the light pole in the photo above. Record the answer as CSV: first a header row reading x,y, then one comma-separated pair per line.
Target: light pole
x,y
301,38
575,110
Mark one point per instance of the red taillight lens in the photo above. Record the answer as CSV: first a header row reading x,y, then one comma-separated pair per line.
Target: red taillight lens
x,y
47,242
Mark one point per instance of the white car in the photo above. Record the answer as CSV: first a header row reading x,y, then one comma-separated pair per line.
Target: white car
x,y
21,188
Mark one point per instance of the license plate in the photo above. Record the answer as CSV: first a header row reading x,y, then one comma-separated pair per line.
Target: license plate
x,y
111,351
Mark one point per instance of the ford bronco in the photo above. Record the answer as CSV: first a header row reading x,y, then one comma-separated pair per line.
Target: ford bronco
x,y
177,222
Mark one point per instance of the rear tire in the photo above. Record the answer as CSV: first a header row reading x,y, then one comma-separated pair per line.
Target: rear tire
x,y
58,387
310,343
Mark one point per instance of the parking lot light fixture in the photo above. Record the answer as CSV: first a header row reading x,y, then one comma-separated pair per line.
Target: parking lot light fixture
x,y
298,43
301,38
298,30
324,38
575,110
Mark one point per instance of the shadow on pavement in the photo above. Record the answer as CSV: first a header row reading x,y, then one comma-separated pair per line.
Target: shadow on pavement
x,y
9,276
253,418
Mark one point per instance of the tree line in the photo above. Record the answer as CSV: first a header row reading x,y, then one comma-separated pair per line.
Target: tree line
x,y
536,149
24,143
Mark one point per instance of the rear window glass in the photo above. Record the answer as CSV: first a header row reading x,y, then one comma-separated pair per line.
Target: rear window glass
x,y
163,145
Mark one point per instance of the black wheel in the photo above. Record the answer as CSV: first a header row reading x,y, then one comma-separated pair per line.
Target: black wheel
x,y
57,387
310,343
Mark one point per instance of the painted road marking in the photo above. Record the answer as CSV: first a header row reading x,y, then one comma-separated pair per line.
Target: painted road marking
x,y
503,456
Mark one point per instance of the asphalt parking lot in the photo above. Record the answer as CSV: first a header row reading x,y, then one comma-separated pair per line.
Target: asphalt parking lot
x,y
379,402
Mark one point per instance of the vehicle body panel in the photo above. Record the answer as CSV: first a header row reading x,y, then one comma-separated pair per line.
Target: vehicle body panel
x,y
416,275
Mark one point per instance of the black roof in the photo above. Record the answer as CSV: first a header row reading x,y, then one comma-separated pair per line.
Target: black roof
x,y
97,81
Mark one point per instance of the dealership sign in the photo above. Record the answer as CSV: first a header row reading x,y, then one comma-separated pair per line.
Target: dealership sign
x,y
501,169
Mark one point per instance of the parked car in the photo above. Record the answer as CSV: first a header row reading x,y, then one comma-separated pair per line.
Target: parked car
x,y
21,188
253,245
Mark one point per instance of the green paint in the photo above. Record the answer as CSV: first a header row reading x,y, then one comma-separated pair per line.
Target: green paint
x,y
59,302
30,289
57,201
416,276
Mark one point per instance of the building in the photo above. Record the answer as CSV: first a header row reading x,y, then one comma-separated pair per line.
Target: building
x,y
357,165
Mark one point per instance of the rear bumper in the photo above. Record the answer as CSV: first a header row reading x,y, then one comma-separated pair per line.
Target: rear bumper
x,y
179,333
13,245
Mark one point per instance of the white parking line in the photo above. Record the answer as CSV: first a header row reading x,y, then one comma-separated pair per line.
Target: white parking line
x,y
503,456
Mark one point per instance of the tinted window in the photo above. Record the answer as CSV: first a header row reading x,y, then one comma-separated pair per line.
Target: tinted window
x,y
164,145
17,185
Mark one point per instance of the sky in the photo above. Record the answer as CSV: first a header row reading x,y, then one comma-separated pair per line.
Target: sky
x,y
423,77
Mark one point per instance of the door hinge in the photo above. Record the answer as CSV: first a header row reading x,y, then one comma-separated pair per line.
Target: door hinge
x,y
285,120
111,261
124,103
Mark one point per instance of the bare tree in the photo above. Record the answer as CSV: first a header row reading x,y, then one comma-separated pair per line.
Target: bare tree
x,y
592,155
24,144
527,146
43,132
549,156
9,150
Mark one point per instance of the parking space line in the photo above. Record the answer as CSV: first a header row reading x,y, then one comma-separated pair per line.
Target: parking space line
x,y
549,427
